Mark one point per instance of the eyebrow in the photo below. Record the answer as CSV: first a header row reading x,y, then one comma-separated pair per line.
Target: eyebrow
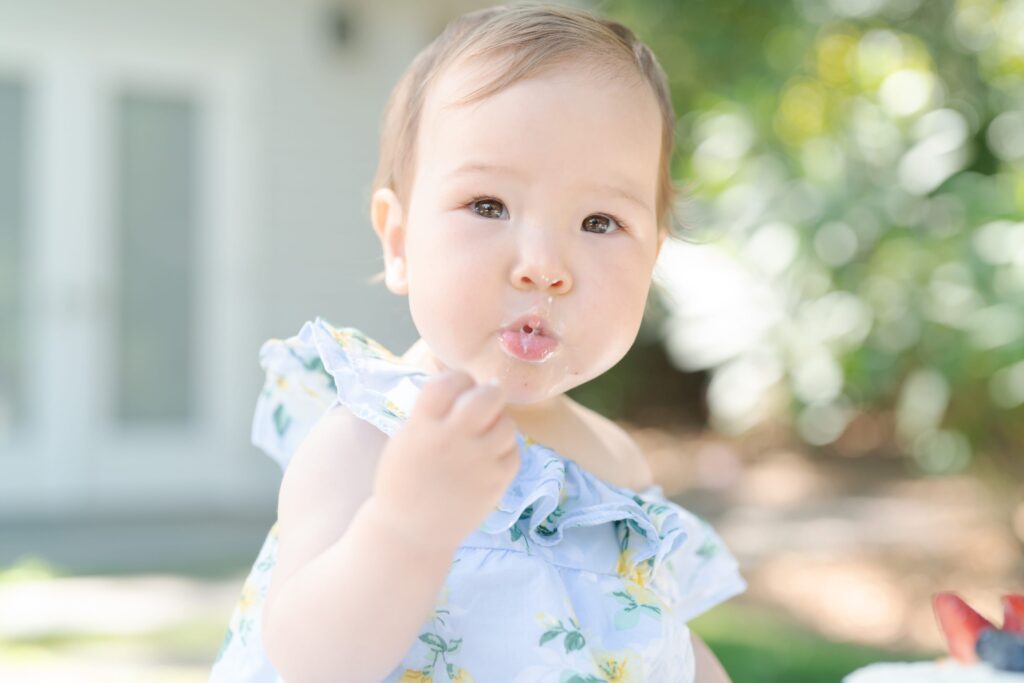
x,y
481,167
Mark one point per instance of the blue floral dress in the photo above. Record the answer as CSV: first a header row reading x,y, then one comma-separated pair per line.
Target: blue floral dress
x,y
570,579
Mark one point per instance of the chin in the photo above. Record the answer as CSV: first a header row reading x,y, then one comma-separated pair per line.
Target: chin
x,y
527,390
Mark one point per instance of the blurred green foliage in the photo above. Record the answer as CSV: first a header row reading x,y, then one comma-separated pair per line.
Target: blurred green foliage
x,y
865,160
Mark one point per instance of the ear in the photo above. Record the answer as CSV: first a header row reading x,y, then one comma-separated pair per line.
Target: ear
x,y
388,222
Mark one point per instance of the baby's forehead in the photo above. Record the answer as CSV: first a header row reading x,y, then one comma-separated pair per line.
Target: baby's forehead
x,y
562,122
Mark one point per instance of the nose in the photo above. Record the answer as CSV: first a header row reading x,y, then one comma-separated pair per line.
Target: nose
x,y
542,265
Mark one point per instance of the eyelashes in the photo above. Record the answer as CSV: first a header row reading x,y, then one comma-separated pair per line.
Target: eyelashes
x,y
484,199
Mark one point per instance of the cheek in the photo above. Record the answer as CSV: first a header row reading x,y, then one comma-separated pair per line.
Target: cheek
x,y
449,270
618,305
622,288
448,277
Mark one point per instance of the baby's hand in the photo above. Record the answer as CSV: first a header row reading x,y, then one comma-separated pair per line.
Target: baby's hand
x,y
443,473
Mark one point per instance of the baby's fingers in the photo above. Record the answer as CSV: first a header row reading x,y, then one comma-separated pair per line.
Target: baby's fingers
x,y
477,409
440,393
501,439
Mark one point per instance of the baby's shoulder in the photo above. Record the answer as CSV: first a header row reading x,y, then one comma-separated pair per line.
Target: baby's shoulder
x,y
335,462
629,464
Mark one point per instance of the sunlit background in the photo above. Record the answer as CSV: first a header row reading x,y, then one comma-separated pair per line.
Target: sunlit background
x,y
831,369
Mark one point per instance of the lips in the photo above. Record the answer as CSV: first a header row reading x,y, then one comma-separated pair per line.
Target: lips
x,y
528,338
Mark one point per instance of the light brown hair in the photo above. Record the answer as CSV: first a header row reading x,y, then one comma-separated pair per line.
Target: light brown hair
x,y
523,39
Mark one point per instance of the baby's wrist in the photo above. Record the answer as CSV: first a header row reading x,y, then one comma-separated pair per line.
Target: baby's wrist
x,y
392,523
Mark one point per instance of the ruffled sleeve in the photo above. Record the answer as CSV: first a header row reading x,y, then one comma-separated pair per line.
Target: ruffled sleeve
x,y
699,571
323,366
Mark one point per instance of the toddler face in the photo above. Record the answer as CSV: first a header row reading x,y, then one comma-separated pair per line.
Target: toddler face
x,y
531,232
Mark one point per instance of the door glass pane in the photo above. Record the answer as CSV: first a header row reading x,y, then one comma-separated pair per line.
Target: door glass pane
x,y
156,228
13,270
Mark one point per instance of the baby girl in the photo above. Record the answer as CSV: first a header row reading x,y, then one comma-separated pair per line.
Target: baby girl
x,y
449,514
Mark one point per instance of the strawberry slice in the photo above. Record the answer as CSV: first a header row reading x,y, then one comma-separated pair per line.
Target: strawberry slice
x,y
960,624
1013,612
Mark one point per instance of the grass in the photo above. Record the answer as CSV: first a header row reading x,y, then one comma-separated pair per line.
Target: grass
x,y
759,645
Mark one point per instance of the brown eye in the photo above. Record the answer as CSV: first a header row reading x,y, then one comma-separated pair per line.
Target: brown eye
x,y
489,208
600,224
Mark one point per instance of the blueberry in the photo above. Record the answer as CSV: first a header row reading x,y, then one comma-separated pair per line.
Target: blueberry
x,y
1004,650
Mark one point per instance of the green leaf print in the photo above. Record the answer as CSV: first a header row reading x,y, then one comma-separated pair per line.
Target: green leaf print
x,y
515,532
551,519
636,527
435,642
624,539
302,361
315,364
652,507
281,420
451,670
574,641
630,615
548,635
625,598
454,645
589,678
708,549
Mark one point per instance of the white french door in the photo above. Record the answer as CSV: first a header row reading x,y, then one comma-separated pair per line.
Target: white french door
x,y
122,256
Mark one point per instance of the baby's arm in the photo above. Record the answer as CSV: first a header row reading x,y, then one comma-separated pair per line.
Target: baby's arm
x,y
352,587
368,527
708,668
